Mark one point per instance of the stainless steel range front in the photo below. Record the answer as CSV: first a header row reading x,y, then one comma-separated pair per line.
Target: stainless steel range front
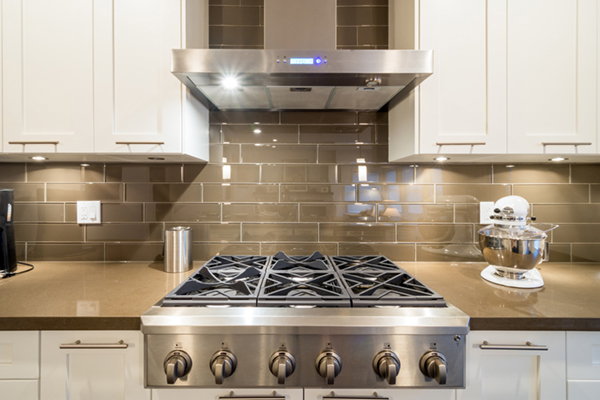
x,y
314,321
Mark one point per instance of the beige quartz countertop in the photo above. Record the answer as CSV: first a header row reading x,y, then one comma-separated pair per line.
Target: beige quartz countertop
x,y
112,296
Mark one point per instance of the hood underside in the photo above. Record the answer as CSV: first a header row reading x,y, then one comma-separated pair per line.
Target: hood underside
x,y
360,80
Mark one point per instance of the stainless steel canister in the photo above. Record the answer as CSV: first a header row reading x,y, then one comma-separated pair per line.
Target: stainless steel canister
x,y
178,249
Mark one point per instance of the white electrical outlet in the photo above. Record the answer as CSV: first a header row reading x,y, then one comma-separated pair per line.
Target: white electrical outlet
x,y
486,209
88,212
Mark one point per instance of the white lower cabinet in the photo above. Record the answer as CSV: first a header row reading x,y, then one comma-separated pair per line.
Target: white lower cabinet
x,y
583,365
226,394
516,374
93,365
391,394
26,389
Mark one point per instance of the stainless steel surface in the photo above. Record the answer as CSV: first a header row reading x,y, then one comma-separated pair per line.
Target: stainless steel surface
x,y
527,346
55,142
304,321
566,143
515,256
386,364
328,365
178,249
222,365
177,365
267,78
252,334
79,345
156,143
460,143
433,365
282,364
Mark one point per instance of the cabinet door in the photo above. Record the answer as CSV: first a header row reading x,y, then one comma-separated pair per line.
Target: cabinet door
x,y
552,76
19,390
47,57
515,374
92,374
583,390
391,394
137,99
464,101
225,394
583,355
19,355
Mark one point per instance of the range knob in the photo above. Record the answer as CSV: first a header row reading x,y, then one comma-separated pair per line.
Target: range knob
x,y
177,365
433,365
329,365
282,365
222,365
386,364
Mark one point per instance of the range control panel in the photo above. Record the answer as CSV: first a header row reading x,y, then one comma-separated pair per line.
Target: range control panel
x,y
318,60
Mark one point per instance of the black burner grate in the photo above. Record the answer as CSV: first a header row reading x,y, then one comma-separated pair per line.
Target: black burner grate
x,y
302,281
375,281
223,280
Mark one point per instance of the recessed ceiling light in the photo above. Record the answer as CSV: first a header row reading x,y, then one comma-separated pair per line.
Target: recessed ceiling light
x,y
557,159
85,165
440,159
38,158
257,130
510,166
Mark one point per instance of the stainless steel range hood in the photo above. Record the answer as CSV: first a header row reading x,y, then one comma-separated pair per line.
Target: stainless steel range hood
x,y
300,68
301,79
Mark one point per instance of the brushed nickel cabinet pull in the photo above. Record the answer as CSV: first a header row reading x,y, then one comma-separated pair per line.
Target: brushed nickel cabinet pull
x,y
526,346
79,345
54,142
566,143
157,143
234,397
332,396
460,143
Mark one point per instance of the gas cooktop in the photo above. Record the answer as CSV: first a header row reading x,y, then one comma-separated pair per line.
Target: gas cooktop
x,y
302,281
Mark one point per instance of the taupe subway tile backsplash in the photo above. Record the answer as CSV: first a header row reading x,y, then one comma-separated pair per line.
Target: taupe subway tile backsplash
x,y
276,202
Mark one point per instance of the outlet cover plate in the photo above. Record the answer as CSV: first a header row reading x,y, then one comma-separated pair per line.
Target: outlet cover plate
x,y
486,208
88,212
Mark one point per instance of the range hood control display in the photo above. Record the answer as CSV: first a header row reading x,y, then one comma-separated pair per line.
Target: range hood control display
x,y
305,60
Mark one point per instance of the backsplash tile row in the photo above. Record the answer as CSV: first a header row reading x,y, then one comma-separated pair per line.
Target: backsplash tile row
x,y
424,213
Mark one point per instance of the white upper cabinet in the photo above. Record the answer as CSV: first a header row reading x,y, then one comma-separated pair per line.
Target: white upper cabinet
x,y
137,99
462,106
48,76
552,76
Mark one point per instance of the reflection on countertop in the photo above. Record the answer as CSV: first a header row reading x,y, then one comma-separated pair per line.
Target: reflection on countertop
x,y
114,295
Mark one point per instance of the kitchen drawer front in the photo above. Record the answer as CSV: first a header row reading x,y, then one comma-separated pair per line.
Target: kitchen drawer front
x,y
19,355
583,355
226,394
391,394
581,390
19,390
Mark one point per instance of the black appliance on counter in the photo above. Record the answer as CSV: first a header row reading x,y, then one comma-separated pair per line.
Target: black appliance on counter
x,y
8,253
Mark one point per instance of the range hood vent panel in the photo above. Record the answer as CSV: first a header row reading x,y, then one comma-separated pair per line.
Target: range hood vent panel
x,y
285,98
260,72
356,98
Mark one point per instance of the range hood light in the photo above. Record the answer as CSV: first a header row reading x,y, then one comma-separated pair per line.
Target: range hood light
x,y
557,159
230,83
440,159
38,158
257,130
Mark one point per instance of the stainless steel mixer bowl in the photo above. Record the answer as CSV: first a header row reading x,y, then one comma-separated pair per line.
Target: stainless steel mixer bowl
x,y
513,256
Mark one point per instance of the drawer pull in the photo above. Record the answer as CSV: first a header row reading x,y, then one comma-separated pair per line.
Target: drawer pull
x,y
332,396
54,142
566,143
460,143
79,345
128,143
526,346
234,397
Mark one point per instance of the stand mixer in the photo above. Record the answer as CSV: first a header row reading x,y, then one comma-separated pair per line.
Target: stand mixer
x,y
512,246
